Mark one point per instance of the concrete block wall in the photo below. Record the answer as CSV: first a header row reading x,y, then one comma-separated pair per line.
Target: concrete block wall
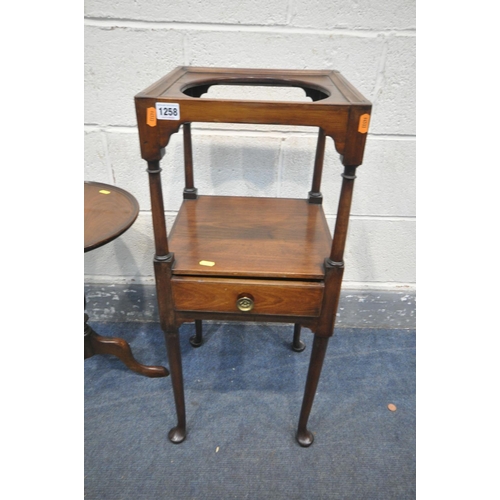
x,y
132,43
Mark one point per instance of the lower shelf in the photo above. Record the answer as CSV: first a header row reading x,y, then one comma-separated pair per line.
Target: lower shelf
x,y
266,238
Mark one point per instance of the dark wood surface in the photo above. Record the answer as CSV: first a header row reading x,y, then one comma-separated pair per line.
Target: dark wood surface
x,y
326,85
108,212
250,237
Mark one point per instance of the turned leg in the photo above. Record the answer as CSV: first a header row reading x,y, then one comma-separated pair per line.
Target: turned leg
x,y
305,437
297,344
197,339
95,344
178,433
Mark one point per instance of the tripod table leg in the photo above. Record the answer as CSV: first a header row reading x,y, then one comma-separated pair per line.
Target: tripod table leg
x,y
96,344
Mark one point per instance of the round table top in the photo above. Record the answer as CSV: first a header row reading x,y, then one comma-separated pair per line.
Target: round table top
x,y
109,212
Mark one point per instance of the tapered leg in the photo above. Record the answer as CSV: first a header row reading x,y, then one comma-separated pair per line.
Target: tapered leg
x,y
197,339
297,344
178,433
305,437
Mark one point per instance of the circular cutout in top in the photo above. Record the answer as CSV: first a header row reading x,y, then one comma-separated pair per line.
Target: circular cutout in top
x,y
254,89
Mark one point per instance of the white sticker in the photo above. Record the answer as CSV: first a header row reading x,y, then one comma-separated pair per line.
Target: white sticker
x,y
167,111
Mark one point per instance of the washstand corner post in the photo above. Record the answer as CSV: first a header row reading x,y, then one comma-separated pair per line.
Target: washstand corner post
x,y
153,140
351,158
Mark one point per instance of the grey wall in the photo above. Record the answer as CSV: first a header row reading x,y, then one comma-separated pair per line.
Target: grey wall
x,y
130,44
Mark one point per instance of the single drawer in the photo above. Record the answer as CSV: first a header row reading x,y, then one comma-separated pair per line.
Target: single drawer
x,y
226,295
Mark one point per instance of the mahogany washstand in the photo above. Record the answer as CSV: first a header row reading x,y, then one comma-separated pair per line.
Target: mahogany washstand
x,y
250,259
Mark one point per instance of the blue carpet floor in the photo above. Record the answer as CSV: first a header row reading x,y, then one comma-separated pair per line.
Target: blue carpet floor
x,y
244,389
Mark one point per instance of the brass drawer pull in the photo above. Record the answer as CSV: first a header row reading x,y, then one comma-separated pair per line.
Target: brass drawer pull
x,y
244,302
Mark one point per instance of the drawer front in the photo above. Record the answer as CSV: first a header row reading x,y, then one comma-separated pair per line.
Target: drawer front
x,y
289,298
